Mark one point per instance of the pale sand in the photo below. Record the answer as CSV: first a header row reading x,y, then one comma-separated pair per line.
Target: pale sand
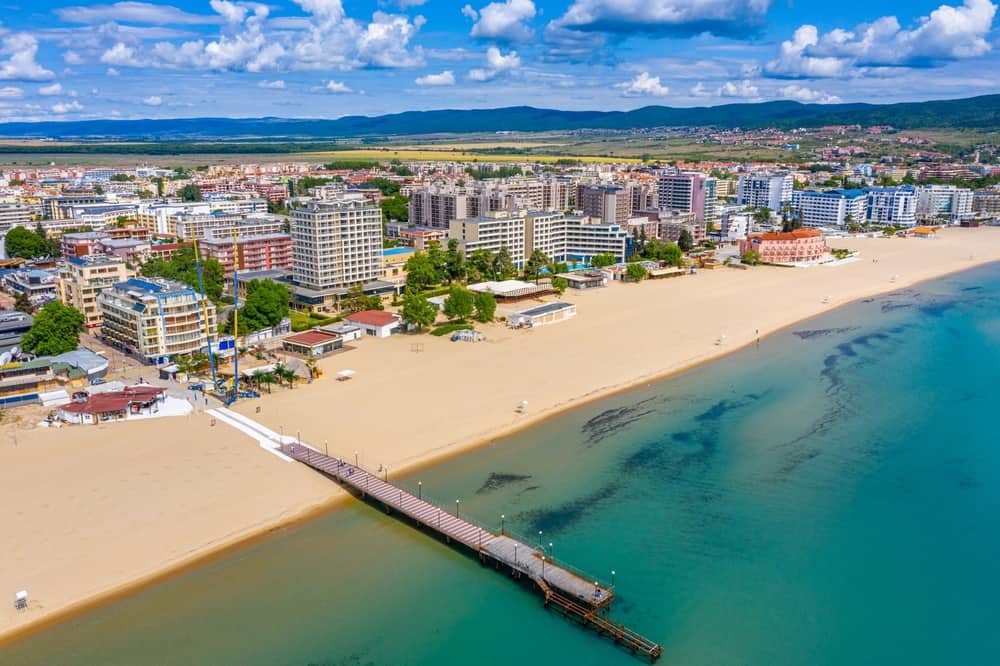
x,y
88,510
94,516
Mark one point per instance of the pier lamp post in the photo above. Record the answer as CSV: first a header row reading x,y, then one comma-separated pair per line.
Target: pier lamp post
x,y
515,554
543,567
612,578
456,507
539,539
386,473
551,551
420,489
501,523
356,459
326,450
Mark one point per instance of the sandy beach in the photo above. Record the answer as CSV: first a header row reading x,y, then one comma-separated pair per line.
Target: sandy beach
x,y
91,511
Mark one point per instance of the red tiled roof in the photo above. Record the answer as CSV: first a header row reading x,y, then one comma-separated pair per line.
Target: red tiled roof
x,y
103,403
373,318
794,234
313,338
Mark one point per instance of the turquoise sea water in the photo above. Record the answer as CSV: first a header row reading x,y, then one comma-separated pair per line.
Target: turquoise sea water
x,y
827,497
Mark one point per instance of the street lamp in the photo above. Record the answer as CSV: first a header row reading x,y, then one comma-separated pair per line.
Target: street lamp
x,y
386,475
325,449
456,507
515,553
501,523
420,489
356,459
543,567
612,578
551,549
539,539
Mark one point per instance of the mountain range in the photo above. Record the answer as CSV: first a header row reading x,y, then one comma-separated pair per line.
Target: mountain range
x,y
982,113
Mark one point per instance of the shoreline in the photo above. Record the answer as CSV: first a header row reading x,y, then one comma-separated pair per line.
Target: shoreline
x,y
413,462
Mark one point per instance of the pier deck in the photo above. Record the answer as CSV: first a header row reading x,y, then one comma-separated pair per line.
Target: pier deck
x,y
574,594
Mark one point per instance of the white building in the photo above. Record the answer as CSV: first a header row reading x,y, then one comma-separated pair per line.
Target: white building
x,y
944,202
14,215
835,208
895,206
764,190
736,226
336,243
689,192
491,232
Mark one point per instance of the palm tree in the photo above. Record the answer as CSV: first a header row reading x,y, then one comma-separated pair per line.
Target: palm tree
x,y
286,374
263,377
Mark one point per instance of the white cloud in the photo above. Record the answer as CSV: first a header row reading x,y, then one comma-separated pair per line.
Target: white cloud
x,y
132,12
112,72
384,42
445,78
337,87
947,33
20,65
496,63
674,18
741,89
503,21
807,95
120,54
272,85
72,58
152,100
10,92
699,90
229,11
54,89
643,85
67,107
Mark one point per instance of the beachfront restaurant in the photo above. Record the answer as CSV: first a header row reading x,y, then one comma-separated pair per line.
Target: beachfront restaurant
x,y
109,407
587,280
313,344
541,315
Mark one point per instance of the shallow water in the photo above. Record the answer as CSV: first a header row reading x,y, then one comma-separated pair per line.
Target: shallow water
x,y
826,497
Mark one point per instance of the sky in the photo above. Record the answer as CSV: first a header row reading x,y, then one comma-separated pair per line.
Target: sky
x,y
329,58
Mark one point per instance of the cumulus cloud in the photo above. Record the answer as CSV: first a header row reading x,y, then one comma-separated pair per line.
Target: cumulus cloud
x,y
337,87
152,100
643,85
67,107
503,21
54,89
741,89
445,78
72,58
673,18
807,95
120,54
699,90
272,85
496,63
10,92
948,33
20,50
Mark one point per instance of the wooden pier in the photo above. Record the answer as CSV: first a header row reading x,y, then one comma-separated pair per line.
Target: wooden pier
x,y
572,593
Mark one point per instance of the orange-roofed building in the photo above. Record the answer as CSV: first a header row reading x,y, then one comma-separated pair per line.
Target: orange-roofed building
x,y
787,247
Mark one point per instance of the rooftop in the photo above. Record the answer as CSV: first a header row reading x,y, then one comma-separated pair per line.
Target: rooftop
x,y
373,318
317,336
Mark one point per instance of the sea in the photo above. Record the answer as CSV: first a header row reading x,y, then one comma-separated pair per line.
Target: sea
x,y
830,495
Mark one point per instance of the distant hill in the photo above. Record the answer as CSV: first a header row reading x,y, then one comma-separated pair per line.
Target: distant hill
x,y
972,113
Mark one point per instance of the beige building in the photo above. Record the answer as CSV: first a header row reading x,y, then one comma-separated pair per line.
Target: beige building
x,y
156,320
83,278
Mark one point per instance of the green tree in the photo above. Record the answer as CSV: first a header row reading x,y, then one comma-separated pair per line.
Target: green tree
x,y
762,215
286,374
602,260
383,185
481,264
395,208
560,284
56,330
356,300
418,310
265,305
182,267
459,304
25,244
439,260
503,264
420,272
23,303
750,257
486,306
190,192
685,241
672,255
636,272
534,265
455,261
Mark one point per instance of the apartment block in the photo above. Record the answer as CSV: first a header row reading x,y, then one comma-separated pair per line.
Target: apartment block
x,y
764,190
83,278
690,192
610,203
944,203
835,208
154,319
492,232
895,206
256,253
14,215
336,243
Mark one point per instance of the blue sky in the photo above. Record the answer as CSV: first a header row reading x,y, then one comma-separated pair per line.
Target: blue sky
x,y
327,58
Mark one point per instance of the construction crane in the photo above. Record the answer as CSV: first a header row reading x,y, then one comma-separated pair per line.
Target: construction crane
x,y
204,313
